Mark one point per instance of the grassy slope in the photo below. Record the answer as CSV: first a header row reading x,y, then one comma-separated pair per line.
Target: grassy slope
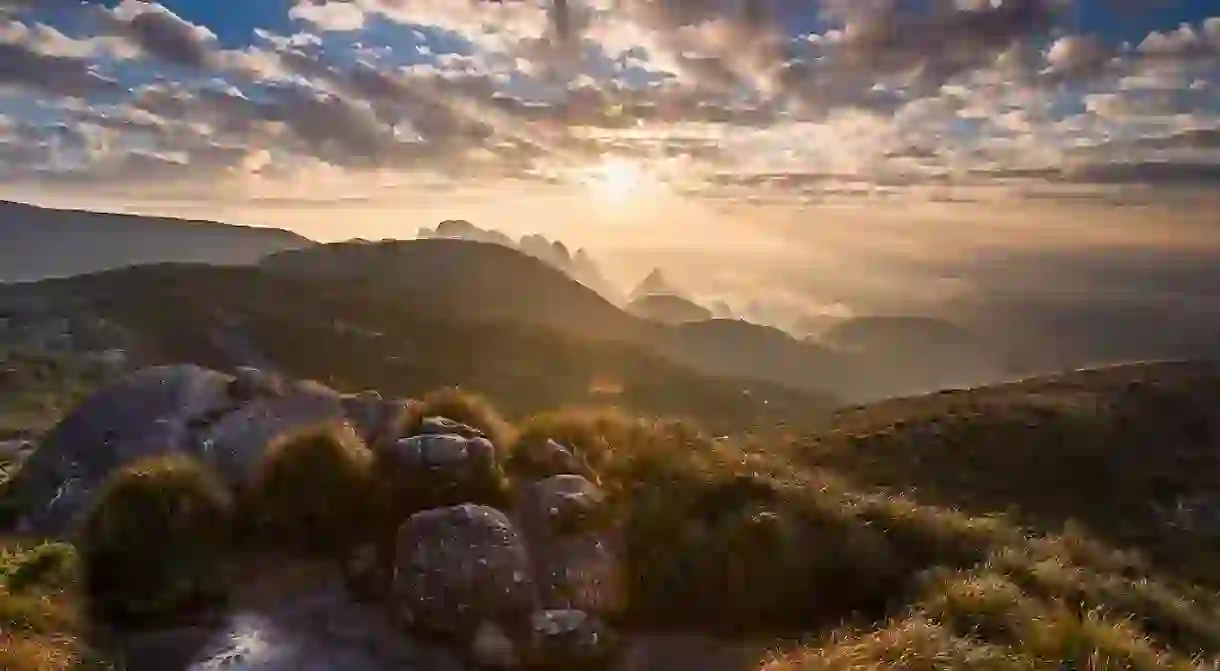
x,y
354,338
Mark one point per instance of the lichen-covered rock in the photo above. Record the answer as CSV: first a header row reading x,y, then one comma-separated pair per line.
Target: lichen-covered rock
x,y
235,444
549,458
571,639
250,383
154,411
566,524
444,425
562,505
435,470
460,567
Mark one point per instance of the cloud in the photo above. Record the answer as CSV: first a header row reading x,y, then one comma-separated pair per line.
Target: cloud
x,y
162,34
1076,55
328,15
23,65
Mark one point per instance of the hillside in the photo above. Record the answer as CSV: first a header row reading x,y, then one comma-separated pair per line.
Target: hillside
x,y
462,280
356,337
41,242
466,280
1129,451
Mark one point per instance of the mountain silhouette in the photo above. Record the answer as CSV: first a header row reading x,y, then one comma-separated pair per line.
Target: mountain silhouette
x,y
40,242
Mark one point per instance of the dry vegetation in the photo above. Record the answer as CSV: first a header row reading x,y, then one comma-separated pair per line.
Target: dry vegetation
x,y
986,567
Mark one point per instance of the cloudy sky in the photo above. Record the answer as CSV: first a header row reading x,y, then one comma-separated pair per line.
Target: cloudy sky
x,y
364,101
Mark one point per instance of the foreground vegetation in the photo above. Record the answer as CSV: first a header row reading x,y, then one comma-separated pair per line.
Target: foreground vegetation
x,y
983,567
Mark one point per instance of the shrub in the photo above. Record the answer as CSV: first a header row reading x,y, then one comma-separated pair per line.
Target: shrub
x,y
461,406
714,538
40,618
588,433
152,545
45,566
313,491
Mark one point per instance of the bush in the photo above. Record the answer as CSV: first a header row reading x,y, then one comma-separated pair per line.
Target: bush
x,y
45,566
153,544
461,406
313,491
589,434
40,618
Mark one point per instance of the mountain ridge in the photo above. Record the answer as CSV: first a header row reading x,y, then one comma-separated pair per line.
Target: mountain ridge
x,y
43,242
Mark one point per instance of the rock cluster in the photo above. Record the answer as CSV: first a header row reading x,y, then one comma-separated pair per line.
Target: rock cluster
x,y
515,574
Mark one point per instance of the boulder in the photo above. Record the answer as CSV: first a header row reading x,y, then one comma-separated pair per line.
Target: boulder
x,y
235,444
434,470
461,569
153,411
562,505
250,383
552,458
444,425
567,529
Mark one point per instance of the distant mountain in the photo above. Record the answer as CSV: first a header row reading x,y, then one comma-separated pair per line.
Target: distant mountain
x,y
668,309
40,243
470,281
654,283
578,265
460,280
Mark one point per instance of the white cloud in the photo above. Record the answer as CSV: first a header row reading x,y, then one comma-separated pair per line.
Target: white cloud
x,y
329,15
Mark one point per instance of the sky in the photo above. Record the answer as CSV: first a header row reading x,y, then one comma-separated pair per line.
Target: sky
x,y
254,109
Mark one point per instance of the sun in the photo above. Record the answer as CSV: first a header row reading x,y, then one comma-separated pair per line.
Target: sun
x,y
617,180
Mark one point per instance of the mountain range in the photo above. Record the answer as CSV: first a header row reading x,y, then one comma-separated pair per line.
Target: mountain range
x,y
41,242
471,280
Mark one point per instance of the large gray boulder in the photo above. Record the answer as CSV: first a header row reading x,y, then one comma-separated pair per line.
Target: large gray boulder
x,y
235,444
435,470
154,411
463,571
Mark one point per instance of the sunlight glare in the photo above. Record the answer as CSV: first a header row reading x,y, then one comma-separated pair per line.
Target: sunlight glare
x,y
617,180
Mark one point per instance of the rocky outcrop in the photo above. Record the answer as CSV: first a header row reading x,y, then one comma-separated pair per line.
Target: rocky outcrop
x,y
502,574
226,421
